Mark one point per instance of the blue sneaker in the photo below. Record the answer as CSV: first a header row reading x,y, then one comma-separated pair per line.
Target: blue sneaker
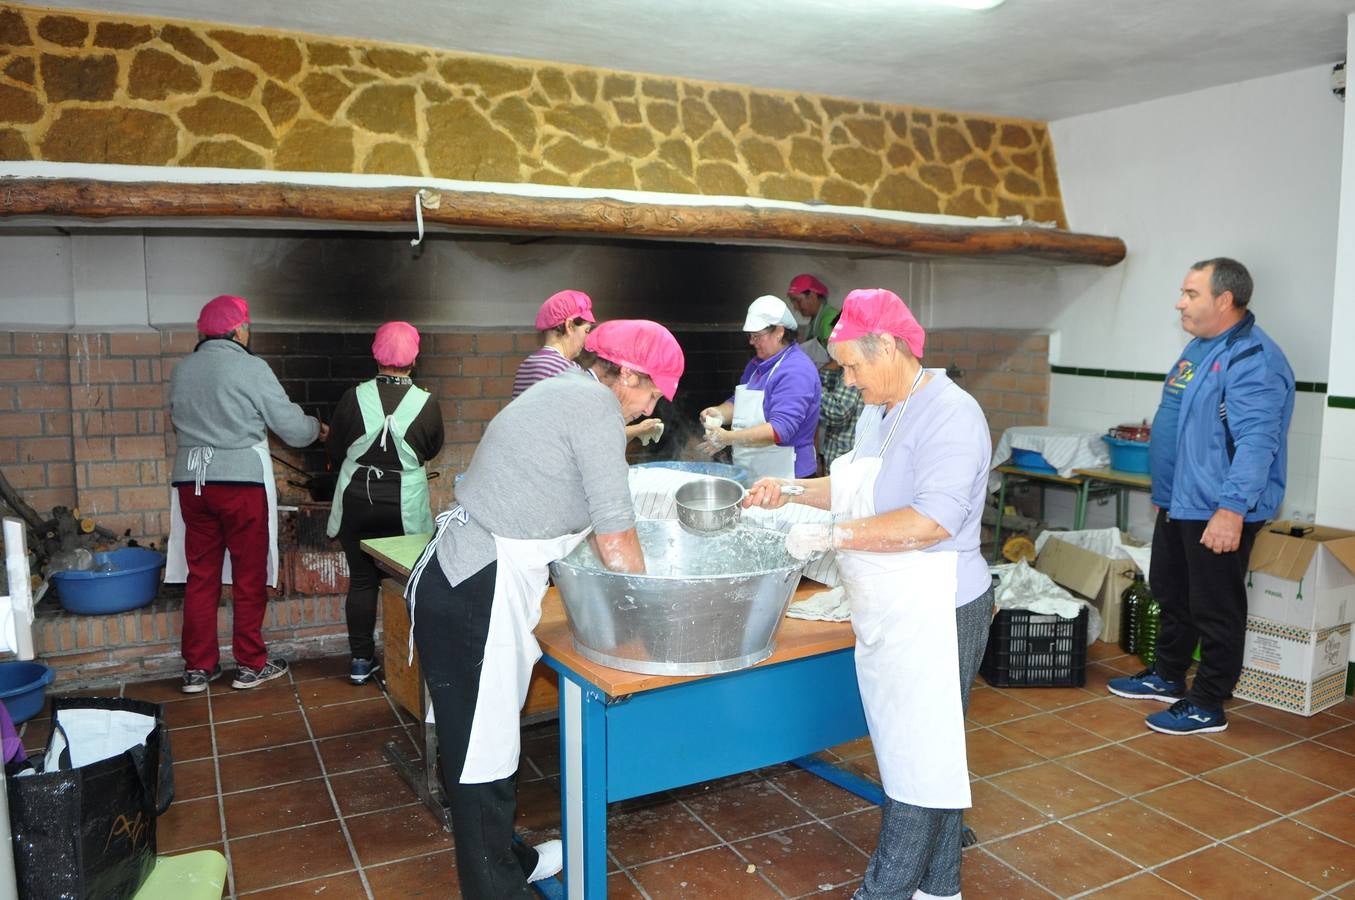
x,y
359,670
1147,686
1185,717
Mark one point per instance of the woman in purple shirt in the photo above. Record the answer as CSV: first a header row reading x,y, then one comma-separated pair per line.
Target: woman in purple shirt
x,y
907,503
774,412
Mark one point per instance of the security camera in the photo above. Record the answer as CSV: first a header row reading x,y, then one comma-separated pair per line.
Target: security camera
x,y
1338,80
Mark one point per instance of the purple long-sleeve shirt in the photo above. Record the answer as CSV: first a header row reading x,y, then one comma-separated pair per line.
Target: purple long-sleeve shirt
x,y
790,402
937,463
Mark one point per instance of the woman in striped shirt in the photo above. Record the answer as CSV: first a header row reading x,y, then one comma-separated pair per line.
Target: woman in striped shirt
x,y
564,322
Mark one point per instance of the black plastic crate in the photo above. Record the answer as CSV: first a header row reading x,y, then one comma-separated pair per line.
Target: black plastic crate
x,y
1027,649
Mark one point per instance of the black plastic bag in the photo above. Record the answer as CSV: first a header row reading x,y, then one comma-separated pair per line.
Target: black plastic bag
x,y
84,822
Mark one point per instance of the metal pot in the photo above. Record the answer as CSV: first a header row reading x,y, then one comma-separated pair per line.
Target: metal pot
x,y
709,505
320,487
709,603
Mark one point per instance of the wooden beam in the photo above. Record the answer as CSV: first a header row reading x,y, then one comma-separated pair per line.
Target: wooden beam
x,y
181,203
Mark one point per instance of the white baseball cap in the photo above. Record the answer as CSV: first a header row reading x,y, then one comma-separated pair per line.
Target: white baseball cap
x,y
766,311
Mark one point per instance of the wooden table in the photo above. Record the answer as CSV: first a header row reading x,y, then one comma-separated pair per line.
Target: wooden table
x,y
624,734
1123,482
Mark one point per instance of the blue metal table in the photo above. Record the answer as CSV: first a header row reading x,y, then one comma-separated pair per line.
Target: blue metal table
x,y
624,735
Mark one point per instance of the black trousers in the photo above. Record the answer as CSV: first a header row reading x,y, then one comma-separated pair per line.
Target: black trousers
x,y
1203,596
363,520
450,628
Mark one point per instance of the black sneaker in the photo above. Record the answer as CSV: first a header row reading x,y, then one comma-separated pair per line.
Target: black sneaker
x,y
248,678
195,681
359,670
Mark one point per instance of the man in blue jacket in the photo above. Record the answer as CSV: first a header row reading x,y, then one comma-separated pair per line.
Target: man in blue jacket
x,y
1218,466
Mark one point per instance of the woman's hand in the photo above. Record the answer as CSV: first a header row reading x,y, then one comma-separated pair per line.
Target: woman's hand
x,y
767,493
712,417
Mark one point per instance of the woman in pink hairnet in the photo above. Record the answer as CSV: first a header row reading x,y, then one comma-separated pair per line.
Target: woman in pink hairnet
x,y
383,432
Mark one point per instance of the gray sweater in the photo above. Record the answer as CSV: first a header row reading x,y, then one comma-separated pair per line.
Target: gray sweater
x,y
552,462
226,399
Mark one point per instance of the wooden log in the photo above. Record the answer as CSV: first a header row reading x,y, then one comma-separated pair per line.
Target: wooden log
x,y
482,212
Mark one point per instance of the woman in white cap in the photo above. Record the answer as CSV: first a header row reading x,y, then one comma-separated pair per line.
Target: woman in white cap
x,y
907,504
383,432
549,472
771,419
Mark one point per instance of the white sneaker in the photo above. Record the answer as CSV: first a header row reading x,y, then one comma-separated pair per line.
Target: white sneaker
x,y
550,859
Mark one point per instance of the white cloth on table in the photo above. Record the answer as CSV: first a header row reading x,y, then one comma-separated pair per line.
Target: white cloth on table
x,y
825,606
1065,449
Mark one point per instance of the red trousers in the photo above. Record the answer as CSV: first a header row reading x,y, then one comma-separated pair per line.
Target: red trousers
x,y
224,517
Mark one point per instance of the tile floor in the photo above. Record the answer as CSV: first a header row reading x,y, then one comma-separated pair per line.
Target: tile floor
x,y
1072,797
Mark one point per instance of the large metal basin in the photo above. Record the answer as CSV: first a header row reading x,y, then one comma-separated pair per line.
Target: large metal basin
x,y
711,603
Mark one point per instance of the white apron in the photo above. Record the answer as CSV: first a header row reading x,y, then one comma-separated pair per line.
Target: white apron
x,y
907,652
176,562
511,650
772,461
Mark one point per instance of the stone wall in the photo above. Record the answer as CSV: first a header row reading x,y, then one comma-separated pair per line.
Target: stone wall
x,y
82,87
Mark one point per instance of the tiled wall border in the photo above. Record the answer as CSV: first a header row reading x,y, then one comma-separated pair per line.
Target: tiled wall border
x,y
1315,387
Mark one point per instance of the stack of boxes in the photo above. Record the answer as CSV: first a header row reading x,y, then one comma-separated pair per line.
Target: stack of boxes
x,y
1300,606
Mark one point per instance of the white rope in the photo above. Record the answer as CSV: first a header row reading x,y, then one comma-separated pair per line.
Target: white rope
x,y
199,458
455,514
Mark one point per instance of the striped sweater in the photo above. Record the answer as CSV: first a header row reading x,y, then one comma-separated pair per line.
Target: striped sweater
x,y
541,365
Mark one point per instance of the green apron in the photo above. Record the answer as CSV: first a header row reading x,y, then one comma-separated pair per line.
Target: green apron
x,y
415,512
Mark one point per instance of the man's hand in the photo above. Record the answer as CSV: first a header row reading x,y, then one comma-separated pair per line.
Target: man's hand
x,y
324,433
1223,534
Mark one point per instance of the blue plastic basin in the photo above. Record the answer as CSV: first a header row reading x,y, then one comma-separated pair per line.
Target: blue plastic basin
x,y
1128,456
23,686
719,470
1031,459
131,584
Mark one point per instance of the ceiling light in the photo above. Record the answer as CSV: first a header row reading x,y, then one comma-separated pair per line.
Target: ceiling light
x,y
976,5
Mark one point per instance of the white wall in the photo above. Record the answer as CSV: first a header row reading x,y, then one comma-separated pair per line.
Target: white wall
x,y
1249,170
1336,482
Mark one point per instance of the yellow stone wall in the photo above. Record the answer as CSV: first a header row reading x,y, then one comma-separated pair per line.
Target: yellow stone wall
x,y
89,87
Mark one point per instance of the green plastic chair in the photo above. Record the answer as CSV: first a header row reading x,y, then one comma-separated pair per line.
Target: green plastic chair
x,y
200,875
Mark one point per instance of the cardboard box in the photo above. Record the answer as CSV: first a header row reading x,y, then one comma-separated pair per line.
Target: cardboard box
x,y
1307,582
1294,669
1098,578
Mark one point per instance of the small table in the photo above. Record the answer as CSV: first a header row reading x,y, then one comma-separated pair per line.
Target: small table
x,y
1124,482
1077,482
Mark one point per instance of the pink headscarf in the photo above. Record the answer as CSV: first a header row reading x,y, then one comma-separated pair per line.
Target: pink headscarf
x,y
563,306
878,311
641,345
396,345
222,315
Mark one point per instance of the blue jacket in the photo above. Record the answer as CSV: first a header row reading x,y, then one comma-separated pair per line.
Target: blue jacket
x,y
1233,431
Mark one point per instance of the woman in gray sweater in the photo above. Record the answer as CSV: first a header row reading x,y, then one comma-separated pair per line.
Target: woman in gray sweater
x,y
550,471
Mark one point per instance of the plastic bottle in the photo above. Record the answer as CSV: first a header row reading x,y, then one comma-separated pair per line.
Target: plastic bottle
x,y
1150,618
1132,599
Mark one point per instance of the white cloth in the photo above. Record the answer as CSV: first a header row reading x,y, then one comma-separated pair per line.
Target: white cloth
x,y
1065,449
903,613
771,461
1108,542
1021,587
825,606
816,351
176,562
511,650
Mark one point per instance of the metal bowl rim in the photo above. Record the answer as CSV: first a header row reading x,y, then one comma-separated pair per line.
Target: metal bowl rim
x,y
793,566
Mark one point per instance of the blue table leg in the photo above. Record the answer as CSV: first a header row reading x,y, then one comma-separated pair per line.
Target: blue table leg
x,y
583,788
843,778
